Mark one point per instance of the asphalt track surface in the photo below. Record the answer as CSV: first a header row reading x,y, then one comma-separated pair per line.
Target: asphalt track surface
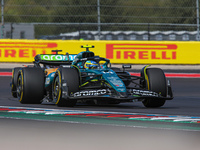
x,y
39,134
186,100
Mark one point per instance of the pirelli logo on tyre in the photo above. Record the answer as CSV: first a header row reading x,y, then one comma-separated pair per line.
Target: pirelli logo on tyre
x,y
24,50
141,51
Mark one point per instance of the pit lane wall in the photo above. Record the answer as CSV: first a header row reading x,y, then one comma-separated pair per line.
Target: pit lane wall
x,y
129,52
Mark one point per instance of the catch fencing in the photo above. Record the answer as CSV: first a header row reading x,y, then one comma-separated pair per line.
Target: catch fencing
x,y
173,20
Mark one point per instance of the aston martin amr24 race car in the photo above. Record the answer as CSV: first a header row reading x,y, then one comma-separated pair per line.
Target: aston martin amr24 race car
x,y
66,79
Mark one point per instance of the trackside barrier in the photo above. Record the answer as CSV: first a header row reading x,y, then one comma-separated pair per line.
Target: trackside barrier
x,y
130,52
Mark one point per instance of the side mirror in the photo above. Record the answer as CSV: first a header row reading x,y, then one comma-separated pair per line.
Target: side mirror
x,y
126,67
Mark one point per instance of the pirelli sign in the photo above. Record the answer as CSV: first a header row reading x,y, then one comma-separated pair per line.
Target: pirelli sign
x,y
154,52
119,52
23,51
141,52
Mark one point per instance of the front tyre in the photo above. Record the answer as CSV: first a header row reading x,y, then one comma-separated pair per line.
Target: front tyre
x,y
156,81
66,82
30,85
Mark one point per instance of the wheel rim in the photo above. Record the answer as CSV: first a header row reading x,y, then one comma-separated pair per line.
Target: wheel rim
x,y
56,90
19,87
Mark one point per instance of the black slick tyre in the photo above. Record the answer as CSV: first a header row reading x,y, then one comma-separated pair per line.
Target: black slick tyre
x,y
66,82
14,81
156,81
30,85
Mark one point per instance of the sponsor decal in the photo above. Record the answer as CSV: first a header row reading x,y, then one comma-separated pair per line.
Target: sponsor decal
x,y
134,52
72,57
126,66
143,93
90,93
141,51
47,80
24,49
54,57
57,57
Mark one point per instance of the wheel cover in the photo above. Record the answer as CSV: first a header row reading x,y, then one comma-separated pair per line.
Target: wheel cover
x,y
20,87
56,90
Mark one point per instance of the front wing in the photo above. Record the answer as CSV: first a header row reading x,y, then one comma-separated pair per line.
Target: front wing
x,y
130,94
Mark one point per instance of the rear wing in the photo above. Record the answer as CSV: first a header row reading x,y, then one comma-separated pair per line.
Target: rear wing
x,y
50,57
55,59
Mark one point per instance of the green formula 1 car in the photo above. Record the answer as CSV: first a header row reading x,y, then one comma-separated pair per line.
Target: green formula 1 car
x,y
66,79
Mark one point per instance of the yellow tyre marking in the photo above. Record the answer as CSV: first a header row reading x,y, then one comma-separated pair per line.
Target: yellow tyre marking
x,y
12,73
12,78
59,95
22,85
146,77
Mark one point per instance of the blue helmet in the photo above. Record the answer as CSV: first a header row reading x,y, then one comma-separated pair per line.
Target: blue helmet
x,y
90,64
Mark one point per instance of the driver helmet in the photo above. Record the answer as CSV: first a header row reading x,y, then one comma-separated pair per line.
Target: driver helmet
x,y
90,64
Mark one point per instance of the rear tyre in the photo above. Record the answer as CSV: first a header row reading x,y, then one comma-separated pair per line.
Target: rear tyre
x,y
156,82
14,82
30,85
66,81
